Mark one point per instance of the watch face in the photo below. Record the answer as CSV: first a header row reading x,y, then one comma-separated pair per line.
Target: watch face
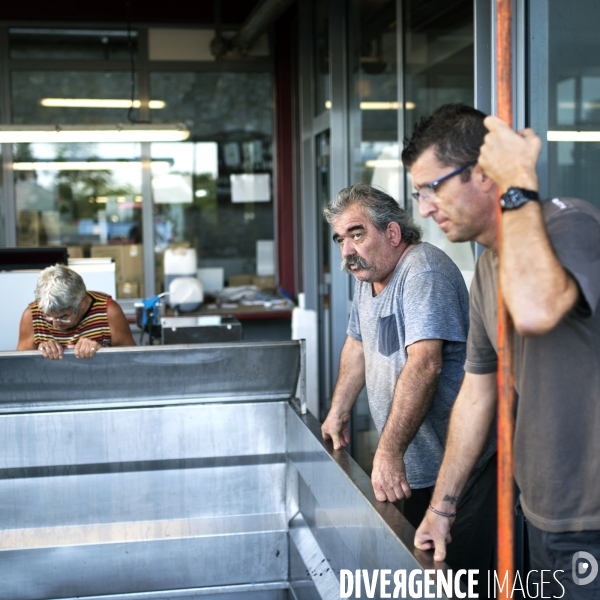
x,y
511,199
515,197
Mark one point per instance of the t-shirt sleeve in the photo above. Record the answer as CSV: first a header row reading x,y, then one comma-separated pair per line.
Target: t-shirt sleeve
x,y
481,354
354,322
431,309
575,237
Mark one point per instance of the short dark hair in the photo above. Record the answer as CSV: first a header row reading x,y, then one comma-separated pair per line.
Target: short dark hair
x,y
454,131
381,208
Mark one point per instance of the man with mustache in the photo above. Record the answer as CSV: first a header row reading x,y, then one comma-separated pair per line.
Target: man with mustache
x,y
407,341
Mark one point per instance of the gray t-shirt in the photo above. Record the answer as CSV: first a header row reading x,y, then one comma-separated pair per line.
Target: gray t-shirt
x,y
426,298
557,376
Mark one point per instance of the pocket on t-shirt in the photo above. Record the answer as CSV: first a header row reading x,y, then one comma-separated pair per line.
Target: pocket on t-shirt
x,y
388,335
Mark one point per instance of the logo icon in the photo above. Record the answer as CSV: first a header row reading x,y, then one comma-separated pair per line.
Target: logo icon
x,y
585,568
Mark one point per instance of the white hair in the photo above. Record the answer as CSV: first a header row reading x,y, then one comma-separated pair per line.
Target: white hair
x,y
59,289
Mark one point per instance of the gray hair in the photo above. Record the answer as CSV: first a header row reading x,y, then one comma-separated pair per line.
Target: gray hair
x,y
59,289
381,208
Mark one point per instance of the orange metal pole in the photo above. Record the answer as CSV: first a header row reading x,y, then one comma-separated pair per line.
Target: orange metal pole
x,y
505,327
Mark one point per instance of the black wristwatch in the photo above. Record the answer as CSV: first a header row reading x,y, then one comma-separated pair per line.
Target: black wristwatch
x,y
515,197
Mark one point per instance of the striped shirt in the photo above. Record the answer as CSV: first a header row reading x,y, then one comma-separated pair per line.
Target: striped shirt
x,y
93,325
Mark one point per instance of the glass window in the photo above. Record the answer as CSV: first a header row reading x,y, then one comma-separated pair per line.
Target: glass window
x,y
71,96
439,62
573,100
184,189
375,98
74,44
439,68
324,275
86,197
184,181
2,209
322,80
376,158
215,105
215,193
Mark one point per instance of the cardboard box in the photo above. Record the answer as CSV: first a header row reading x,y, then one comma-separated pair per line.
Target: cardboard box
x,y
237,280
128,259
28,228
75,252
264,282
132,263
129,289
113,252
50,227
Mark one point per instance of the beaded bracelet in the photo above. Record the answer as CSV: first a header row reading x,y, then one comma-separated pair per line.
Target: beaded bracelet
x,y
442,514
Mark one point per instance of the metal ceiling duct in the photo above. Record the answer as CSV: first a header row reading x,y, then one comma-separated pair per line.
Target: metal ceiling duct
x,y
265,13
260,19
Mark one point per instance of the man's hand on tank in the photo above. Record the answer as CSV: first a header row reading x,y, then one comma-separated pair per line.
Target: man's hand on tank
x,y
51,349
335,428
510,157
86,348
434,534
389,476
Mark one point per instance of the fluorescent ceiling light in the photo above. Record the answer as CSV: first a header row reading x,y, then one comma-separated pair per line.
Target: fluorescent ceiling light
x,y
57,134
93,33
385,105
98,103
571,104
379,105
106,165
384,162
120,199
574,136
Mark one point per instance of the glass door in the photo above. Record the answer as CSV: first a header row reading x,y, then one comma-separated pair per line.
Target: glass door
x,y
323,238
438,68
564,96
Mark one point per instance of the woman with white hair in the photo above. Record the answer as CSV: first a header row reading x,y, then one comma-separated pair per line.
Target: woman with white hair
x,y
66,315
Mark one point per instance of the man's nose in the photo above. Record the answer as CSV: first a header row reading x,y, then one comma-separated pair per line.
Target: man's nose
x,y
348,249
426,209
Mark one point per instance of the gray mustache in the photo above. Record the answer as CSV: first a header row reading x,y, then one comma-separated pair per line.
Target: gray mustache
x,y
353,259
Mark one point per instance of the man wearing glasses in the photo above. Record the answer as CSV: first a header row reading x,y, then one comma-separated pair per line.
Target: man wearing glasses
x,y
550,274
65,315
407,342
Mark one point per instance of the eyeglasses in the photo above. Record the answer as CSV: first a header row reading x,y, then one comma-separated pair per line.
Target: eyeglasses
x,y
60,319
426,192
63,319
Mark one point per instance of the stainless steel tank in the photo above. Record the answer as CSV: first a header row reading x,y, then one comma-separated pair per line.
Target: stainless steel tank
x,y
180,472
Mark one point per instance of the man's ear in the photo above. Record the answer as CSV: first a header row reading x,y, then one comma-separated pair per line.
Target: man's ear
x,y
394,234
485,182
